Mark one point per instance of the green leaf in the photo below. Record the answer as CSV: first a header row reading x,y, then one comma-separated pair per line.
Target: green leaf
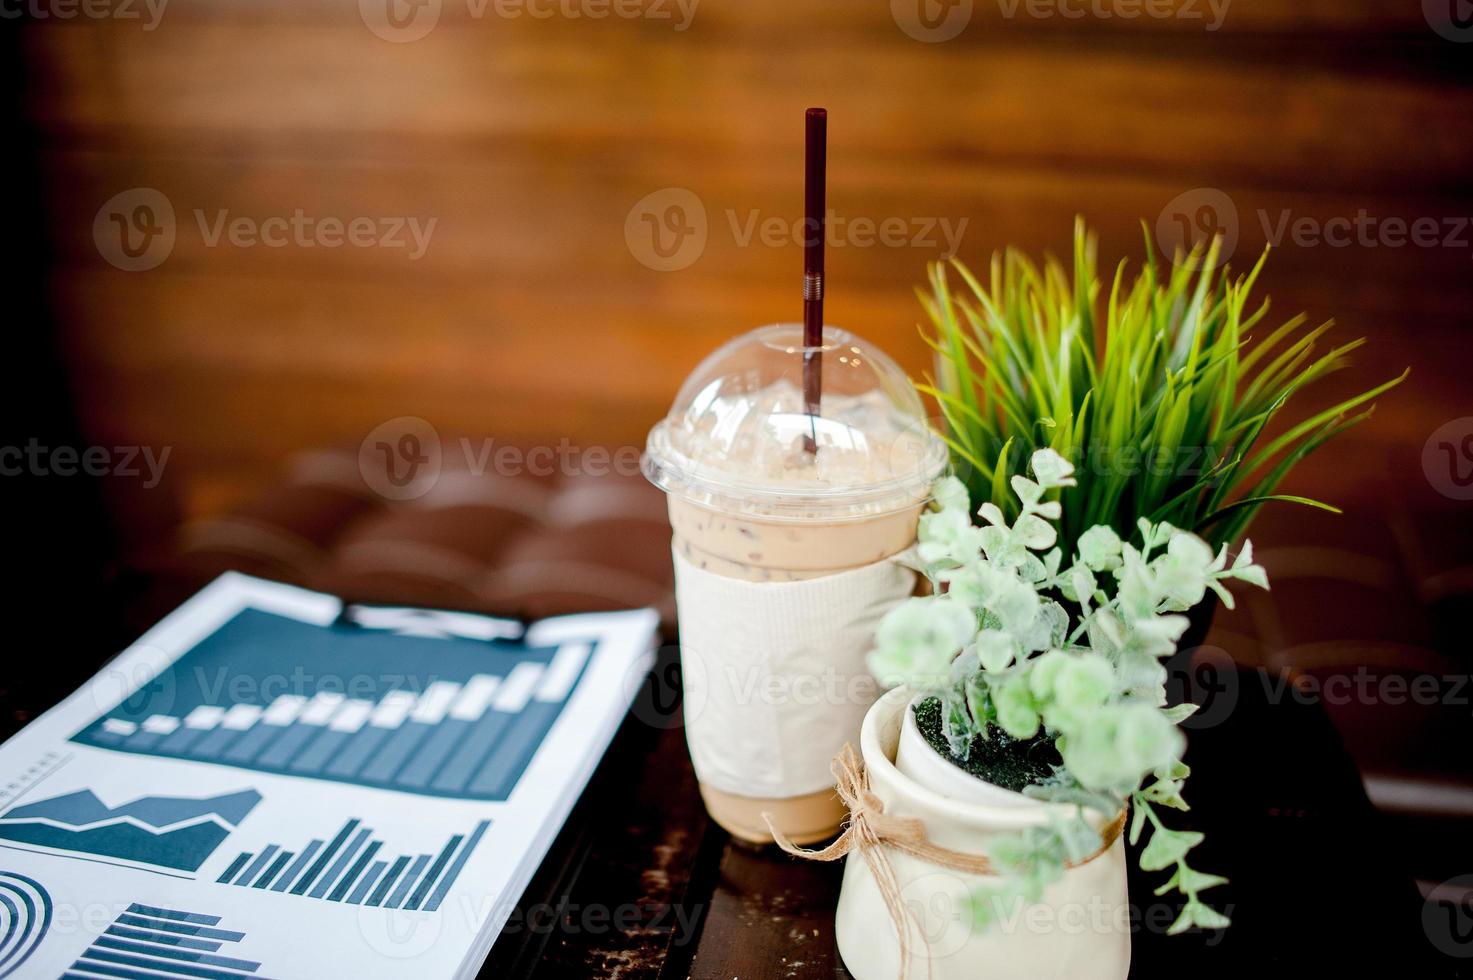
x,y
1206,917
995,650
1197,915
979,699
1222,512
1233,529
1192,882
1181,712
1308,426
1166,847
1137,824
1166,793
1016,711
1000,474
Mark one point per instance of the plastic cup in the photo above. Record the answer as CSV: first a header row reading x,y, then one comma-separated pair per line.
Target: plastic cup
x,y
748,502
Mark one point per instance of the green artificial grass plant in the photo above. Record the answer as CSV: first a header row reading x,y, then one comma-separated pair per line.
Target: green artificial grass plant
x,y
1169,394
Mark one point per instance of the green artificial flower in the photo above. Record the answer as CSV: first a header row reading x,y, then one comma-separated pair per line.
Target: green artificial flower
x,y
1044,674
1147,738
1014,602
1052,470
1099,548
1016,711
948,536
1167,847
1050,626
996,650
1183,572
1245,570
1155,636
951,494
1079,585
1081,686
917,640
973,585
1000,650
1115,745
1138,594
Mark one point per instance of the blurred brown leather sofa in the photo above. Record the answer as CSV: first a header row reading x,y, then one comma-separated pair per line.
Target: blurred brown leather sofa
x,y
526,545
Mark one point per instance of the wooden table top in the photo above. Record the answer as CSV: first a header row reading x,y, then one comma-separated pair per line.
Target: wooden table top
x,y
641,884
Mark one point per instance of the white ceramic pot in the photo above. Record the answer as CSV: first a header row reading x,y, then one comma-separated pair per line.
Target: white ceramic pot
x,y
915,758
1079,931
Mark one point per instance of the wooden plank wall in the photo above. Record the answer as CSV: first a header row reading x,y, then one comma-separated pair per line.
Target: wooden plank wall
x,y
529,141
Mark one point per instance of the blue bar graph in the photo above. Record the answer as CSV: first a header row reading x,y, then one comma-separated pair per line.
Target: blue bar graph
x,y
291,873
443,888
154,943
361,891
273,870
421,892
258,865
382,891
407,882
350,869
466,725
235,867
306,880
331,876
354,873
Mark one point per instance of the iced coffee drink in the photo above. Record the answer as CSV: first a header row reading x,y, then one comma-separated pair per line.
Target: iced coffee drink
x,y
786,526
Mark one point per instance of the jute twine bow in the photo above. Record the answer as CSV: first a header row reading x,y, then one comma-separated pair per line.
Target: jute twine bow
x,y
870,830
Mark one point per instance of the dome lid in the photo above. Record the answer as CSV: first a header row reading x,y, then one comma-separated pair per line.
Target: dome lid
x,y
735,437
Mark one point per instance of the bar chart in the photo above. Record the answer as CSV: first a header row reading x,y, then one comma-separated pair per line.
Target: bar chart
x,y
465,724
148,941
348,868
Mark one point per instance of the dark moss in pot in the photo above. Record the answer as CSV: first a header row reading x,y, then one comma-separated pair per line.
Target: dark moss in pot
x,y
1000,759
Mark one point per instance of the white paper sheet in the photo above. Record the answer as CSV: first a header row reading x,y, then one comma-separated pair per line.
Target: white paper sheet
x,y
159,821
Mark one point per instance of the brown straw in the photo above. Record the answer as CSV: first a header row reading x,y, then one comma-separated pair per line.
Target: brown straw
x,y
815,165
871,830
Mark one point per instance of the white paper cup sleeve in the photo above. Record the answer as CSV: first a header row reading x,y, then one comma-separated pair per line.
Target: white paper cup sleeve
x,y
774,672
